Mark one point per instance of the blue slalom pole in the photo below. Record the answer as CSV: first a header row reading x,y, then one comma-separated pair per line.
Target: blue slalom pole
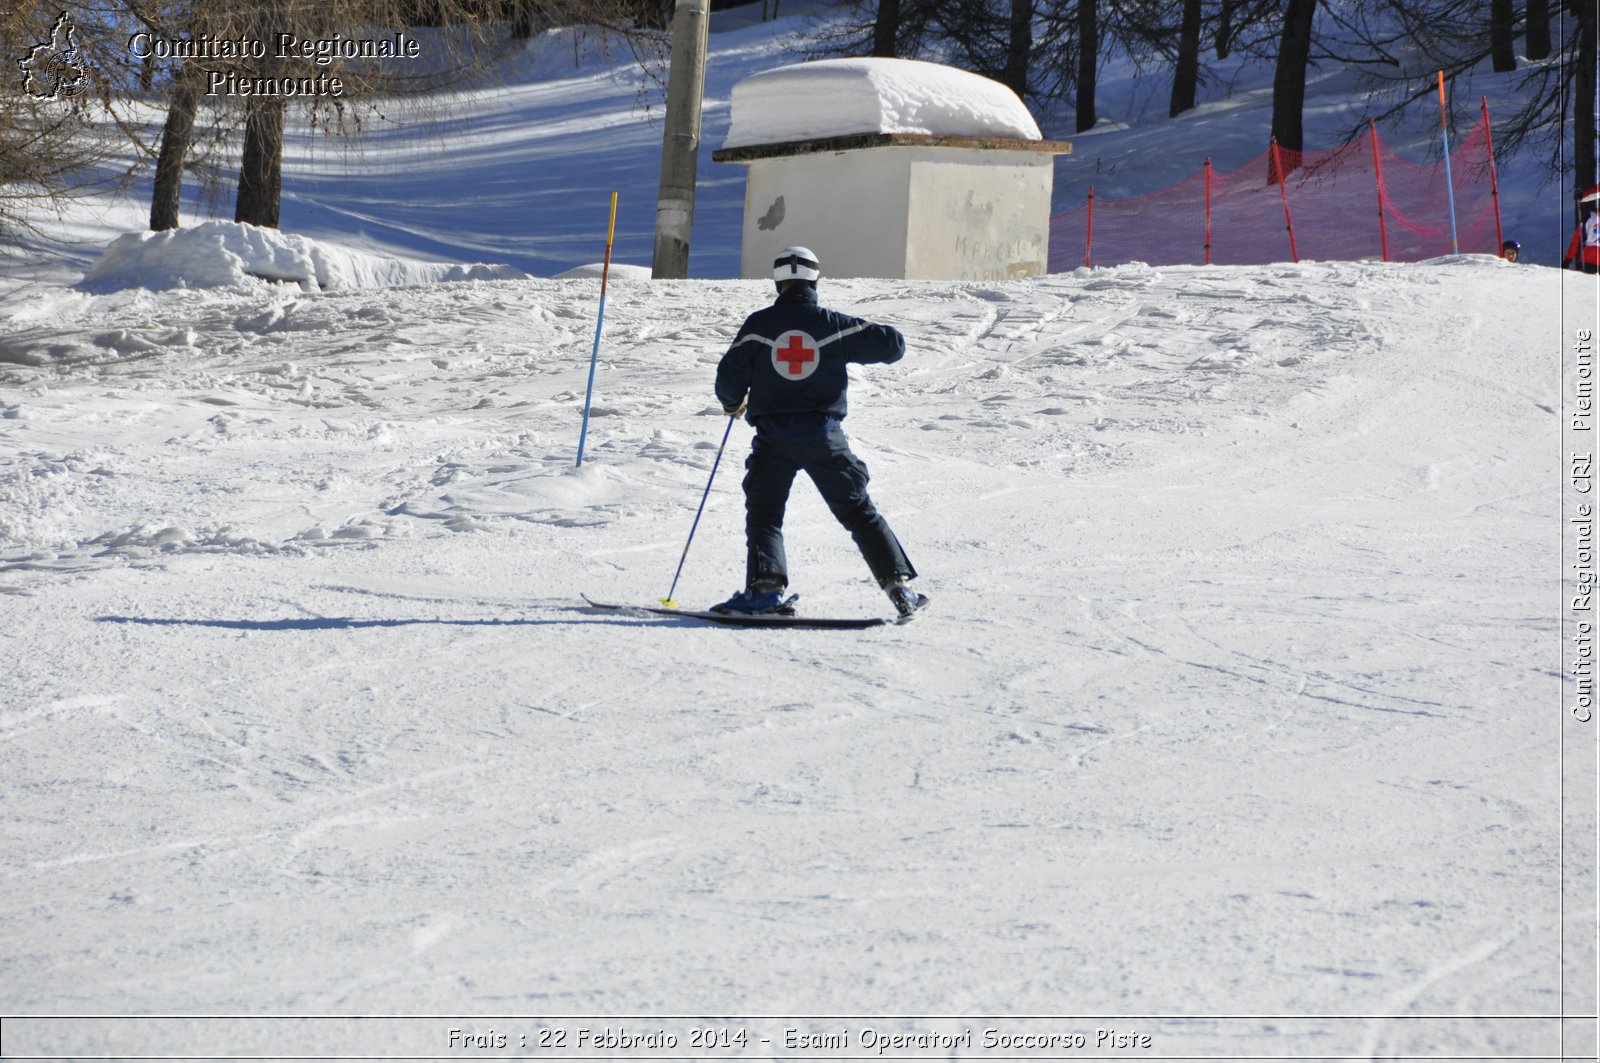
x,y
728,431
594,357
1450,186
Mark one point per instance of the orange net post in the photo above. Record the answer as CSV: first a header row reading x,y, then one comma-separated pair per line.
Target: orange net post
x,y
1494,182
1377,166
1283,191
1088,231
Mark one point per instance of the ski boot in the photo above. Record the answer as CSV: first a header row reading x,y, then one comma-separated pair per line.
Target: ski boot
x,y
906,601
761,597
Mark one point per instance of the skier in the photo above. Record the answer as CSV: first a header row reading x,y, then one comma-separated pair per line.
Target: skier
x,y
1584,251
1510,250
786,371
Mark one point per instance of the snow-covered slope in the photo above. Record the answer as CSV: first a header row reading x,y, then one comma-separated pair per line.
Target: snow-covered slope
x,y
1236,696
1240,694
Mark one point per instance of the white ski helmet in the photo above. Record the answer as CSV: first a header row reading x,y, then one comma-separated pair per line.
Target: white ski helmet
x,y
796,264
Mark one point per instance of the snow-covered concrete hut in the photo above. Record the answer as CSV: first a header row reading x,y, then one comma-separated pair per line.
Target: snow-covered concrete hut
x,y
891,168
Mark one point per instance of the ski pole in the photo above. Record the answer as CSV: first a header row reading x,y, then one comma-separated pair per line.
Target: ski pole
x,y
667,601
605,273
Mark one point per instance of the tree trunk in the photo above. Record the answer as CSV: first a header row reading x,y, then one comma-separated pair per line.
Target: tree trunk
x,y
1289,80
1537,32
886,29
1088,55
1225,29
1502,43
261,170
176,136
1186,74
1019,50
1583,87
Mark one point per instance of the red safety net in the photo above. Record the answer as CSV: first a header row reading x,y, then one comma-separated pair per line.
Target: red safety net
x,y
1357,201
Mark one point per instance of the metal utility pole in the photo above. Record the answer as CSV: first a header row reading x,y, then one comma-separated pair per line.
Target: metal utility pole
x,y
680,145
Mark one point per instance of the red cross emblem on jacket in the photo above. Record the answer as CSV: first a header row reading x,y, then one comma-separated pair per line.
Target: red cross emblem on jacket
x,y
794,356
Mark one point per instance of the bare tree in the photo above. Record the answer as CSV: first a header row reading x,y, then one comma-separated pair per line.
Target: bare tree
x,y
995,38
890,29
1502,35
1454,36
1536,30
886,29
61,118
1088,63
1019,49
339,90
1051,50
1246,26
1175,35
1583,90
1225,28
177,135
1552,94
1289,77
1186,73
261,166
261,163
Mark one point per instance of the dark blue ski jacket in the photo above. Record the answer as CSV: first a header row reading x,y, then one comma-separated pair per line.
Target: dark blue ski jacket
x,y
790,359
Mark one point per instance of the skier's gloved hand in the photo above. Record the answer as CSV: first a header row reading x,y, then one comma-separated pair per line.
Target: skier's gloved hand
x,y
739,411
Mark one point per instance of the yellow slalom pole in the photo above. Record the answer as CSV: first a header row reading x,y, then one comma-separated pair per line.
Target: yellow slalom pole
x,y
594,357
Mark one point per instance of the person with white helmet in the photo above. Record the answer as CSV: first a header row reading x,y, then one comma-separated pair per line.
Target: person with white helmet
x,y
786,371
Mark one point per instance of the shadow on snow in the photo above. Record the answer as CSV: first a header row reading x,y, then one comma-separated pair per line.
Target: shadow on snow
x,y
343,623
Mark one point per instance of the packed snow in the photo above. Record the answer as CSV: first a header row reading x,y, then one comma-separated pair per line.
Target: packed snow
x,y
1235,727
839,97
1238,692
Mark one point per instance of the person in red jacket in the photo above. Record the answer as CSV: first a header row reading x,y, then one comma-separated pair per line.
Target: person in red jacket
x,y
1584,250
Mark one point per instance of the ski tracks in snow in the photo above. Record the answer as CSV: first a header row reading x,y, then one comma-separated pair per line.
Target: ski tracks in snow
x,y
1228,621
363,421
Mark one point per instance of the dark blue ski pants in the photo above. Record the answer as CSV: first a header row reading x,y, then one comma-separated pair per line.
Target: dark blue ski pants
x,y
841,479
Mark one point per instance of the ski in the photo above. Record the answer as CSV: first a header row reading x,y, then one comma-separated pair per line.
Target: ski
x,y
783,620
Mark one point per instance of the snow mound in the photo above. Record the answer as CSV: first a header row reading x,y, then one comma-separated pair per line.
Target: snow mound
x,y
839,97
220,254
620,271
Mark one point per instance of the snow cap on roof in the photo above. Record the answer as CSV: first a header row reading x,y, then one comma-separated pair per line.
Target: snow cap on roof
x,y
840,97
